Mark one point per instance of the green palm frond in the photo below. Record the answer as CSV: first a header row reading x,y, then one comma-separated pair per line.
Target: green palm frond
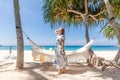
x,y
109,32
55,11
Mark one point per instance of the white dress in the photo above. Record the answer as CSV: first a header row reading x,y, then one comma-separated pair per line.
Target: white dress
x,y
61,60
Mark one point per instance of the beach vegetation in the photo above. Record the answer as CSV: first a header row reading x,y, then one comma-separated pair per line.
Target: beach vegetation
x,y
109,32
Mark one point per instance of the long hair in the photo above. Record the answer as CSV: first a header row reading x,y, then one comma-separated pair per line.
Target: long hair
x,y
63,31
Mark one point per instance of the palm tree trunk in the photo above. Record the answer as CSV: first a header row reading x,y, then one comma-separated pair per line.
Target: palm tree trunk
x,y
20,42
86,23
115,27
87,32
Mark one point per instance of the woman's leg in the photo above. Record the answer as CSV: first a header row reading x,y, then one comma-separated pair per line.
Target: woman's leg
x,y
65,63
64,70
60,71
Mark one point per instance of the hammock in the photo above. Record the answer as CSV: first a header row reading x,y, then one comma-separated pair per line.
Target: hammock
x,y
71,55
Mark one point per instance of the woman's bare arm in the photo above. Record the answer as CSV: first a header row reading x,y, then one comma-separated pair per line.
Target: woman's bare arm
x,y
63,52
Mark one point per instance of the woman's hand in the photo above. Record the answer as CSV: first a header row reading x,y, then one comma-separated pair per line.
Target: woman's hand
x,y
56,32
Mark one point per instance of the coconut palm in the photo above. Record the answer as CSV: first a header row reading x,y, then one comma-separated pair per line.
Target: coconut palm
x,y
114,25
20,43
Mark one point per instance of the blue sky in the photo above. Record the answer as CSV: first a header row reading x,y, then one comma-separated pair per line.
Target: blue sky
x,y
35,27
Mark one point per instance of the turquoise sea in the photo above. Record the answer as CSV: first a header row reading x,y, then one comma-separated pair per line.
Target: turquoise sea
x,y
70,47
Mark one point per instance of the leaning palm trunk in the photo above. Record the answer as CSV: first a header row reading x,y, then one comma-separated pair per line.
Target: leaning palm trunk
x,y
115,28
20,43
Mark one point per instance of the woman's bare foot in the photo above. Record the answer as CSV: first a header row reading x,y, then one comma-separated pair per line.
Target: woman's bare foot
x,y
64,70
60,71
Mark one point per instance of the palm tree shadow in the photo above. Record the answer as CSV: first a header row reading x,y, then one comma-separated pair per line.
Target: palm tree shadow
x,y
77,68
111,72
33,70
74,69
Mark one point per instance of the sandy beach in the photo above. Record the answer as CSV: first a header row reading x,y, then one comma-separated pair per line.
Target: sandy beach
x,y
34,70
58,37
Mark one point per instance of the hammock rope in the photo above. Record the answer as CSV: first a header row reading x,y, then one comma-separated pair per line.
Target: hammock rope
x,y
103,27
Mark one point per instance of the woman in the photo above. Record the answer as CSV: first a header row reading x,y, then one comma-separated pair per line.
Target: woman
x,y
61,59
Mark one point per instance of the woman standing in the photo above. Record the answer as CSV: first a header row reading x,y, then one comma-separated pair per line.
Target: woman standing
x,y
61,59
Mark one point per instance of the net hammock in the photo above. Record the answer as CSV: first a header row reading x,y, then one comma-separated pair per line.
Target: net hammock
x,y
71,55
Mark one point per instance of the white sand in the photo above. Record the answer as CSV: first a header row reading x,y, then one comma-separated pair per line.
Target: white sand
x,y
110,55
33,70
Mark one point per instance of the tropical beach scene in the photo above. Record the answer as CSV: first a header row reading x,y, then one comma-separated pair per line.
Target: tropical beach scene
x,y
59,40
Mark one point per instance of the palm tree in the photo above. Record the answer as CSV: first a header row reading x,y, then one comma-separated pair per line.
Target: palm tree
x,y
20,42
109,33
73,12
114,26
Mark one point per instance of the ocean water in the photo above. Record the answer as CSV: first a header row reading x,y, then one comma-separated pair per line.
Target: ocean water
x,y
70,47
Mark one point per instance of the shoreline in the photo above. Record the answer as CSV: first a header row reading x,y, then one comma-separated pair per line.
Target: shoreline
x,y
66,50
68,47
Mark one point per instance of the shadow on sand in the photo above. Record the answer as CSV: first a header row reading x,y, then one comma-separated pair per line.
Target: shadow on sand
x,y
34,70
77,68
